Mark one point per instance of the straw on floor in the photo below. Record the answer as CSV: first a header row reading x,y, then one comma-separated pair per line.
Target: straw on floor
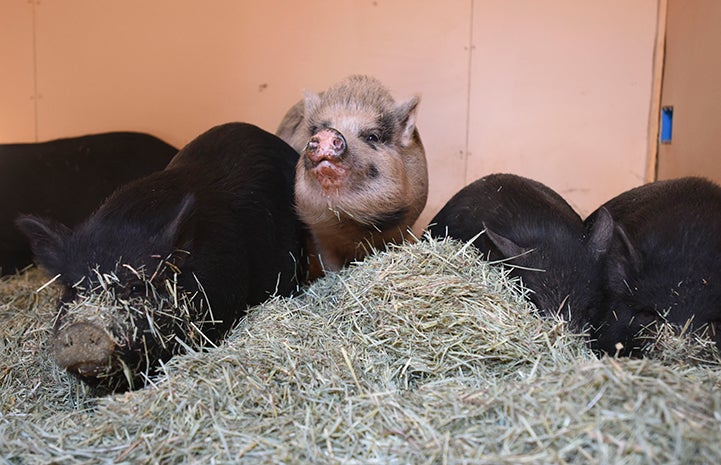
x,y
422,354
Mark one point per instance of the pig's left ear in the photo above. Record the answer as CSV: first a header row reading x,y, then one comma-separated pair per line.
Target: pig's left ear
x,y
180,231
600,235
505,246
406,114
47,241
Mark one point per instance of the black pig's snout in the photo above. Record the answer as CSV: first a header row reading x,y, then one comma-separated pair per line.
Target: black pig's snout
x,y
84,349
326,144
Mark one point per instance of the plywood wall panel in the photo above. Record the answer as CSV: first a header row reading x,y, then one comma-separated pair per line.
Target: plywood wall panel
x,y
561,93
692,73
17,93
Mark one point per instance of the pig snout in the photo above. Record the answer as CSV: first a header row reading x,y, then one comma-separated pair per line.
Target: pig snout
x,y
327,144
84,349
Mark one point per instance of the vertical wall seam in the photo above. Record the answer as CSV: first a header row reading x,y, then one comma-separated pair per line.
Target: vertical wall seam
x,y
466,153
659,56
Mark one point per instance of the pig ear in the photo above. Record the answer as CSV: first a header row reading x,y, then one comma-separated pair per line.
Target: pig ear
x,y
311,102
633,255
291,121
507,247
601,233
47,240
625,261
406,113
179,232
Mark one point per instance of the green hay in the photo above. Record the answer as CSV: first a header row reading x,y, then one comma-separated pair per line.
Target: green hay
x,y
422,354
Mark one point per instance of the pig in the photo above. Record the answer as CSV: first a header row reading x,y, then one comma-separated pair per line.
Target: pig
x,y
528,226
664,264
174,258
67,179
361,179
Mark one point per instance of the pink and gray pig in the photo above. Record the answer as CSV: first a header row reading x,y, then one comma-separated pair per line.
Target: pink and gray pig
x,y
361,180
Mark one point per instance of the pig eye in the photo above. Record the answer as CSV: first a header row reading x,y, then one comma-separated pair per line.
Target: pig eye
x,y
136,290
69,294
373,138
646,316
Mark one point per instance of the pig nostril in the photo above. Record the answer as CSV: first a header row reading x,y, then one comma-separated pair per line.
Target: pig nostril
x,y
338,144
312,144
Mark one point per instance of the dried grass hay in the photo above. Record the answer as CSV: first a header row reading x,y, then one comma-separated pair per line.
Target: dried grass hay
x,y
422,354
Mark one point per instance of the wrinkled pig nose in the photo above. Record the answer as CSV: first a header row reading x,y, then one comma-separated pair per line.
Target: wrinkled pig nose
x,y
84,349
326,144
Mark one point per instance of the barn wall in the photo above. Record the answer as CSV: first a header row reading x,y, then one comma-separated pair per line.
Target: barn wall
x,y
557,90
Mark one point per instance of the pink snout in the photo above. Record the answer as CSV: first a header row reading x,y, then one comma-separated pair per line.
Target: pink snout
x,y
327,144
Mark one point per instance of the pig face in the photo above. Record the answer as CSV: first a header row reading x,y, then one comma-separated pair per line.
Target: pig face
x,y
361,158
661,280
120,312
362,172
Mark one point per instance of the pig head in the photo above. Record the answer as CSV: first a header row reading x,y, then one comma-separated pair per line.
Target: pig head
x,y
116,318
361,180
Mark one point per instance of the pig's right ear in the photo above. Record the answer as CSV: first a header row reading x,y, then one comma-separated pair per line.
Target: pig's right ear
x,y
47,240
625,261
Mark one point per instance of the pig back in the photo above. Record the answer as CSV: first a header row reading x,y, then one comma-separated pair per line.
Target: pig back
x,y
237,147
522,209
243,179
67,179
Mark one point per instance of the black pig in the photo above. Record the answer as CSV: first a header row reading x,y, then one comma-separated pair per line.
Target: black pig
x,y
67,179
532,228
664,264
174,254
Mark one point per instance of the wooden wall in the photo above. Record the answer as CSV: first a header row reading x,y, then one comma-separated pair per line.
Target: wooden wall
x,y
692,87
557,90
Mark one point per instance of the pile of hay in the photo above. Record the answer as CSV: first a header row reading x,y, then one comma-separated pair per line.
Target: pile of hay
x,y
423,354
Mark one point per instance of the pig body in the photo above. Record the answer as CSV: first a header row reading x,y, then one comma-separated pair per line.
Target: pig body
x,y
530,227
361,180
67,179
217,225
664,264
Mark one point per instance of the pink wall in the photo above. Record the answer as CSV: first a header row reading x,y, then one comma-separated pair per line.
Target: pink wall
x,y
562,93
558,90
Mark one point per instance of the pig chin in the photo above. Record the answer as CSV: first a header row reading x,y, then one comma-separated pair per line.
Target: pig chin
x,y
330,176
